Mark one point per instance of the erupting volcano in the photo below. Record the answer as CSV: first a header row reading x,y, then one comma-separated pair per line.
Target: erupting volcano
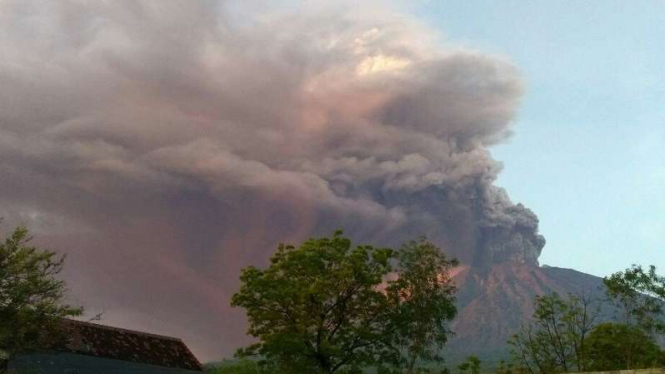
x,y
164,165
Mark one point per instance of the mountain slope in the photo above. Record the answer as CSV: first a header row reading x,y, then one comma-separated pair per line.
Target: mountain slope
x,y
493,303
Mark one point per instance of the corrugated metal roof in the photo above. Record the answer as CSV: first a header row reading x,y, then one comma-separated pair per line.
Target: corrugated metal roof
x,y
127,345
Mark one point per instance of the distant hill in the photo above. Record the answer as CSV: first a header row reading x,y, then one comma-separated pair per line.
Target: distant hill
x,y
494,302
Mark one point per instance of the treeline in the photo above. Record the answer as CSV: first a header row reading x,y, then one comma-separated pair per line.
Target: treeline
x,y
324,307
328,306
568,335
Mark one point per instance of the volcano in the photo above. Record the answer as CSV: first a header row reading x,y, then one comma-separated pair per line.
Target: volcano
x,y
493,303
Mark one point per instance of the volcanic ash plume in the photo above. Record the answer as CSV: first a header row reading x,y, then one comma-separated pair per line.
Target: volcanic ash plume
x,y
165,145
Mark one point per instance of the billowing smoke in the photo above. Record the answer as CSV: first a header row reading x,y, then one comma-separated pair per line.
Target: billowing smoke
x,y
165,145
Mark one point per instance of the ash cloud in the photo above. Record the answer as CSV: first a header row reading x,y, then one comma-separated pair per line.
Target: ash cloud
x,y
165,145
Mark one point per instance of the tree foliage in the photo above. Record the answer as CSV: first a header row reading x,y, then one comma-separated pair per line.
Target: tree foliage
x,y
615,346
30,295
470,366
509,368
564,336
327,307
243,366
316,308
640,295
557,339
423,300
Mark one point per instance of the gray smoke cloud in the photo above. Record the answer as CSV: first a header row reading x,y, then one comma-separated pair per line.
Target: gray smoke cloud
x,y
165,145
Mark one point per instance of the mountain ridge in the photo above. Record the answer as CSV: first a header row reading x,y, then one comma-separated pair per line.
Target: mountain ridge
x,y
493,303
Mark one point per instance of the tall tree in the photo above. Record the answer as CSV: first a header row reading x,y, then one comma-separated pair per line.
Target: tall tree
x,y
640,295
423,301
470,366
556,340
615,346
317,308
31,297
329,307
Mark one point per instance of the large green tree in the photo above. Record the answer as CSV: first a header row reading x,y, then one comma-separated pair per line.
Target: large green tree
x,y
470,366
423,300
615,346
640,295
316,308
31,296
329,307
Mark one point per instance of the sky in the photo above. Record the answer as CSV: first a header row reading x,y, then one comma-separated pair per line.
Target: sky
x,y
588,154
163,146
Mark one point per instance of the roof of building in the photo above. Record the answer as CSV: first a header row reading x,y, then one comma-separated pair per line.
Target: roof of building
x,y
120,344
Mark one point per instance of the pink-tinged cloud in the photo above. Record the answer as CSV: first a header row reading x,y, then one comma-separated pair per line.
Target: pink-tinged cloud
x,y
166,145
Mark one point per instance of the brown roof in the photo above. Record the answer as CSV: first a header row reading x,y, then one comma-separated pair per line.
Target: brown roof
x,y
127,345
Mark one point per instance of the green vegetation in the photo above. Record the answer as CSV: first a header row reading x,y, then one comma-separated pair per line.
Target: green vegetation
x,y
329,307
640,295
30,296
422,303
508,368
615,346
243,366
557,339
565,335
471,365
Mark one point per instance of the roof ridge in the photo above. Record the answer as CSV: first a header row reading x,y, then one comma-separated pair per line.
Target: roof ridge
x,y
113,328
196,359
105,341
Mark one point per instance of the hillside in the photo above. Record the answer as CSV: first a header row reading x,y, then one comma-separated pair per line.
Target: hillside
x,y
493,303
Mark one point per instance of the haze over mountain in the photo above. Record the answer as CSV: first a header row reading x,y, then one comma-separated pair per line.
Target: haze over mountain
x,y
166,145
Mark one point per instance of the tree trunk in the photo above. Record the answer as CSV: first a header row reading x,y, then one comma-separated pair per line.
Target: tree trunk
x,y
412,365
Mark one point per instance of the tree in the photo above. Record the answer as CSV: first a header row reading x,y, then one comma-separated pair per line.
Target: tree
x,y
243,366
508,368
31,297
317,309
470,366
328,307
640,295
423,301
614,346
556,340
